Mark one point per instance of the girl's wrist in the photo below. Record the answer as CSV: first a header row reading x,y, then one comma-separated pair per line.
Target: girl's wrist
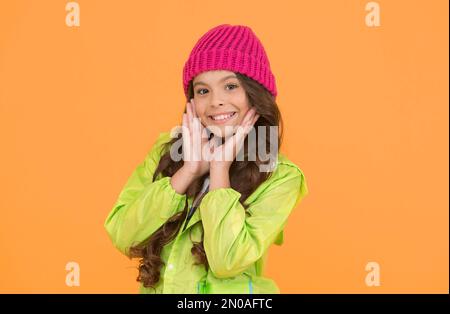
x,y
219,177
219,167
188,173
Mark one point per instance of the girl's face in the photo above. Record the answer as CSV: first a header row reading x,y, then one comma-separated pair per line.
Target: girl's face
x,y
220,101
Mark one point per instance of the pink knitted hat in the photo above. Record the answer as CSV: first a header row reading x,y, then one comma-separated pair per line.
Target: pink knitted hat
x,y
230,47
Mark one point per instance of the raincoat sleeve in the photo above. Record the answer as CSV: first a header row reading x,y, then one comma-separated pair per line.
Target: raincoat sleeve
x,y
143,206
233,240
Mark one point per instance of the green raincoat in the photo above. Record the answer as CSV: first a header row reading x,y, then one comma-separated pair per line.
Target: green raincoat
x,y
236,244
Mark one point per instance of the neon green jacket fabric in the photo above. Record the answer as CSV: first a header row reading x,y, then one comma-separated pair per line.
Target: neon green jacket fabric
x,y
236,243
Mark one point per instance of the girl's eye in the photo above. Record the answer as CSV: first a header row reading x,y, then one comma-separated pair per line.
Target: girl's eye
x,y
199,91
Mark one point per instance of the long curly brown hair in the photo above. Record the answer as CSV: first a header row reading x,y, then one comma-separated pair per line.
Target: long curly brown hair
x,y
245,177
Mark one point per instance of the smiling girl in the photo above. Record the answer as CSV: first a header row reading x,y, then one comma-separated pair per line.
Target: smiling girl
x,y
203,223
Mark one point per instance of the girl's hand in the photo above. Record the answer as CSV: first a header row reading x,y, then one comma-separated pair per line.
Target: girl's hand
x,y
224,155
194,142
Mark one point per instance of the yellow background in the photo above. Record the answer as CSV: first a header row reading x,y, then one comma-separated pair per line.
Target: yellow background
x,y
366,118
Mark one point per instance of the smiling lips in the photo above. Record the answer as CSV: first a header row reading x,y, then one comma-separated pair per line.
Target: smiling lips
x,y
222,118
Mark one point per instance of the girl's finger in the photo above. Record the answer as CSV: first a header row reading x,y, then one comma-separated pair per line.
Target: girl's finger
x,y
248,125
252,124
248,116
212,144
204,134
186,139
185,127
189,114
194,112
213,148
194,134
255,119
238,141
198,128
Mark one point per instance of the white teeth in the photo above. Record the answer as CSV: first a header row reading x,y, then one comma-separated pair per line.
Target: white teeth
x,y
222,116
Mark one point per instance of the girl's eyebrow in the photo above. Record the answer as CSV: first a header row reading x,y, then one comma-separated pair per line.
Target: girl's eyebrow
x,y
222,79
